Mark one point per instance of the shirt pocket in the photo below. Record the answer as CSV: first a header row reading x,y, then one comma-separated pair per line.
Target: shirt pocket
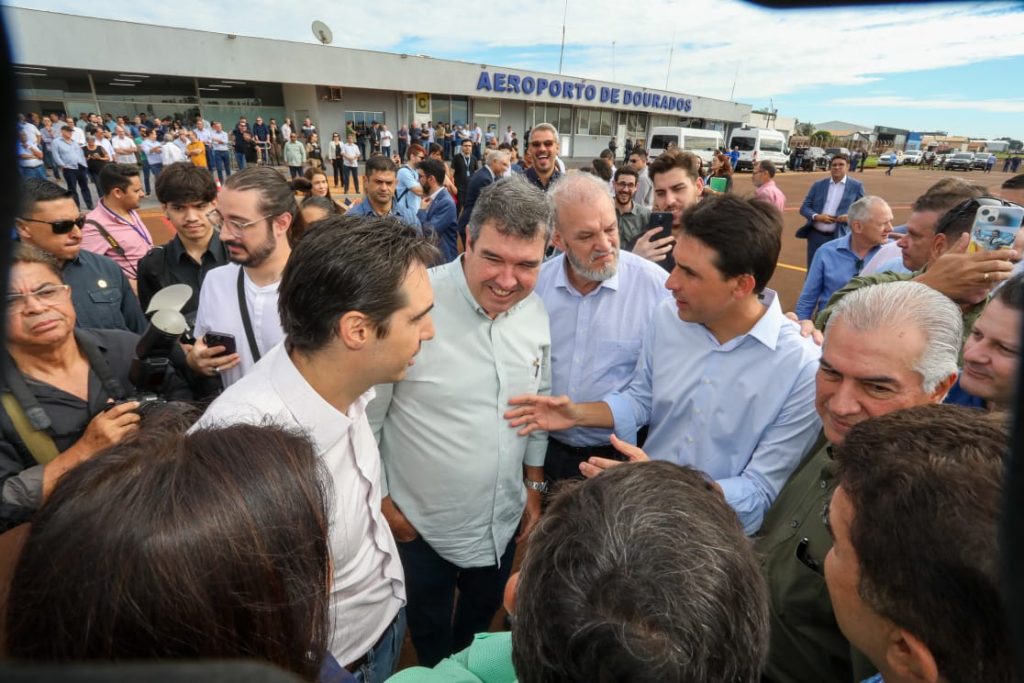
x,y
616,359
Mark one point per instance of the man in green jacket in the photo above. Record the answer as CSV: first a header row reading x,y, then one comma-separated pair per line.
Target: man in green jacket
x,y
886,347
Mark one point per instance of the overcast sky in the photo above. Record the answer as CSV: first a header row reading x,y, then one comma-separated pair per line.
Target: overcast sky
x,y
955,67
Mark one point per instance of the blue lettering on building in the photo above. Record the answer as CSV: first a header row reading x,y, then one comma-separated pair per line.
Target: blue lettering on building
x,y
578,90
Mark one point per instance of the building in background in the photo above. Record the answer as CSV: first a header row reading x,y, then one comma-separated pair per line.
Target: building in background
x,y
129,68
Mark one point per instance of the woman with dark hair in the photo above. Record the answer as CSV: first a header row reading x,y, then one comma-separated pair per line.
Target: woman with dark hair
x,y
208,545
337,159
721,167
315,209
602,169
313,151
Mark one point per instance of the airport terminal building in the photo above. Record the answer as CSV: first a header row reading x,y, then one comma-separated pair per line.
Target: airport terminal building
x,y
128,68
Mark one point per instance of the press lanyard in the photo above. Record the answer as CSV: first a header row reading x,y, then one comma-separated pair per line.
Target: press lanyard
x,y
131,224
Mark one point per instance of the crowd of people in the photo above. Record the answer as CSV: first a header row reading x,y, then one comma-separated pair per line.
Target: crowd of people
x,y
362,413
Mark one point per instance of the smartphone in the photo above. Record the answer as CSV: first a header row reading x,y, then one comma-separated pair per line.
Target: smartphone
x,y
663,220
995,227
212,339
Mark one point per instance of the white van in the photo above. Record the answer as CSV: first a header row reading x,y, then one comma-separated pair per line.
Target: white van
x,y
758,144
703,143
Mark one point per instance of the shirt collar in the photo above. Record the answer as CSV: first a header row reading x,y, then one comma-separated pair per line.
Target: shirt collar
x,y
767,329
841,182
324,423
562,277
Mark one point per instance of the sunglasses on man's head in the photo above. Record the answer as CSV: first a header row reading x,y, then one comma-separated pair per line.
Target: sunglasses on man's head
x,y
59,227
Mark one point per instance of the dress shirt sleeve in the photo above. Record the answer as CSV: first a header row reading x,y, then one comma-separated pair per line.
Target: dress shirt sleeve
x,y
21,488
813,284
537,442
631,408
780,450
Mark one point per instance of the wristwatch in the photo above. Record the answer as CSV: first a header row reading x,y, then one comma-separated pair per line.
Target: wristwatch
x,y
539,486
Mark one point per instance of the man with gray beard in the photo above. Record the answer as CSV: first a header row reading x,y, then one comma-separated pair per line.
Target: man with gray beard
x,y
599,301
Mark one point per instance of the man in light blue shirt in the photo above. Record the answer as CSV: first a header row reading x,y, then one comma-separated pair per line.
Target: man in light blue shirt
x,y
600,300
70,159
837,262
460,487
724,381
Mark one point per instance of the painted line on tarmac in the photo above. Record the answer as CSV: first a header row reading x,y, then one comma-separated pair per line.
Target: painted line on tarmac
x,y
789,267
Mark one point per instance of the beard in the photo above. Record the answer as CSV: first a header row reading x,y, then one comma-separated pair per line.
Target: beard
x,y
253,256
594,275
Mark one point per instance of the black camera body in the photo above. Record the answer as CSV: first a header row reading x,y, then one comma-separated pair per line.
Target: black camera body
x,y
147,403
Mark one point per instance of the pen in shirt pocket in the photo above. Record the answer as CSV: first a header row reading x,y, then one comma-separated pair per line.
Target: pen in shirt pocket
x,y
536,368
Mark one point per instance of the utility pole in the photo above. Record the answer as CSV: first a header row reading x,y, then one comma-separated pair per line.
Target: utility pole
x,y
561,53
671,50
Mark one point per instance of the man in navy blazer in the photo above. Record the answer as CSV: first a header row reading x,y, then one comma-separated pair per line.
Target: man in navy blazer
x,y
496,162
826,205
437,212
464,165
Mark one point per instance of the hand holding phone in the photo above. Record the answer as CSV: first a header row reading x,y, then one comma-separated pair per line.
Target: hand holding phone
x,y
995,227
212,339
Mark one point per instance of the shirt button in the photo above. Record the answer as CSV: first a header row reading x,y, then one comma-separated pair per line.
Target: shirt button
x,y
794,524
822,484
707,381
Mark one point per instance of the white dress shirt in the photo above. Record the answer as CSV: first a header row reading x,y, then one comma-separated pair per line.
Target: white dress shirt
x,y
368,585
832,201
742,412
596,338
219,312
452,464
124,149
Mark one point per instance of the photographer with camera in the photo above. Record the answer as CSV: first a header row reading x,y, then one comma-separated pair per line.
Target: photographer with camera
x,y
63,391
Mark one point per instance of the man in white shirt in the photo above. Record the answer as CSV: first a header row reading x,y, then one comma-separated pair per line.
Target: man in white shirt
x,y
461,489
254,213
124,147
355,305
221,161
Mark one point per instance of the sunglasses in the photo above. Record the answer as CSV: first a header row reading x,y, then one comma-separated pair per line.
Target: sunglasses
x,y
59,227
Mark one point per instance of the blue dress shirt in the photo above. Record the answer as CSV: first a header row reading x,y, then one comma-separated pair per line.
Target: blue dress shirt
x,y
742,412
834,265
596,338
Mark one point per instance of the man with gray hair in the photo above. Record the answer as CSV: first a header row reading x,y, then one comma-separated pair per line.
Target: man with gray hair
x,y
458,483
886,347
600,300
837,262
496,162
688,603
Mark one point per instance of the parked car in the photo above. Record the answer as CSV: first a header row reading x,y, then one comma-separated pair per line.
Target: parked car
x,y
961,161
832,151
888,158
980,160
913,157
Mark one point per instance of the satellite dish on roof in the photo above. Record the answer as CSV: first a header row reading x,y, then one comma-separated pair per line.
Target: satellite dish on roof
x,y
322,33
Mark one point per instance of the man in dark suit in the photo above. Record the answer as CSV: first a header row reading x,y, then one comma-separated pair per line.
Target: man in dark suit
x,y
437,212
826,205
464,165
496,162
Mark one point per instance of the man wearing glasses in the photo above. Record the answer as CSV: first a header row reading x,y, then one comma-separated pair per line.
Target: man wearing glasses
x,y
632,217
544,148
766,190
255,211
102,297
58,385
